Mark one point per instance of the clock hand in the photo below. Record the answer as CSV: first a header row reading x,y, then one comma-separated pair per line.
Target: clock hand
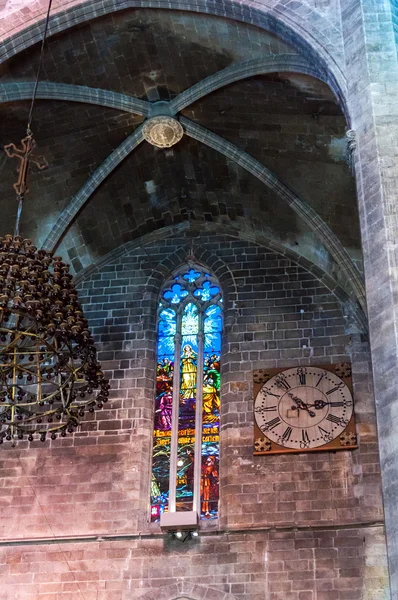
x,y
319,404
301,404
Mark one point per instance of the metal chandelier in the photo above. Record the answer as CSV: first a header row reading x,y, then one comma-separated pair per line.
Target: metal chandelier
x,y
49,372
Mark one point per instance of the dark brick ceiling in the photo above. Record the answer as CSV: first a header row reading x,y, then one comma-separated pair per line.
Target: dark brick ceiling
x,y
189,182
74,138
292,125
289,122
139,51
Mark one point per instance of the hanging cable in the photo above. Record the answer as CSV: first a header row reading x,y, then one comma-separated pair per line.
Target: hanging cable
x,y
19,212
29,127
25,153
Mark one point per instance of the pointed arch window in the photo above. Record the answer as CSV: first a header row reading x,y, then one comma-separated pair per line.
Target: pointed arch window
x,y
185,461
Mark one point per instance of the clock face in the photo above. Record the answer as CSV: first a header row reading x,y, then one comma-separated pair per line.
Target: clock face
x,y
303,408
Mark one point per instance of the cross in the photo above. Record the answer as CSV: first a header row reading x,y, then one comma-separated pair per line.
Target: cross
x,y
25,155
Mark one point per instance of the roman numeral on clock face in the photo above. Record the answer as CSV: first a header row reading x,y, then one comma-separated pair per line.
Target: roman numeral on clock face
x,y
302,375
263,409
333,419
286,434
337,387
305,440
282,382
271,424
326,435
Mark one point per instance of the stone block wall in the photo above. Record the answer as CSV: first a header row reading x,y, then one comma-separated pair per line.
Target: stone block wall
x,y
341,564
300,527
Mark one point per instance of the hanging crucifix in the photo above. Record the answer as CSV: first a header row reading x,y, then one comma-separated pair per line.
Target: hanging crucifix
x,y
26,156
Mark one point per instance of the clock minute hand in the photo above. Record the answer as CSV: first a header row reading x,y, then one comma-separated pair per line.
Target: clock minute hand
x,y
319,404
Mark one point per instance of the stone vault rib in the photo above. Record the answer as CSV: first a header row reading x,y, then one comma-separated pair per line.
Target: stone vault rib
x,y
298,24
22,90
305,212
99,175
255,236
243,70
68,92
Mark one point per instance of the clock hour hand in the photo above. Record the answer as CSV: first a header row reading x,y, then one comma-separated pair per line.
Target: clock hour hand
x,y
301,404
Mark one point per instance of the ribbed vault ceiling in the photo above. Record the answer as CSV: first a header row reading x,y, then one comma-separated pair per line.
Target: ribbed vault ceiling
x,y
273,108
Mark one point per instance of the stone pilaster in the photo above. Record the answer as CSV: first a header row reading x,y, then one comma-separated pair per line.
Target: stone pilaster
x,y
372,75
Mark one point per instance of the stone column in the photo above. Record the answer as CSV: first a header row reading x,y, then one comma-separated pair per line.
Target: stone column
x,y
372,77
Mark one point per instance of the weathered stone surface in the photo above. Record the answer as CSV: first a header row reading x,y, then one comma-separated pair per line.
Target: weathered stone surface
x,y
326,540
97,482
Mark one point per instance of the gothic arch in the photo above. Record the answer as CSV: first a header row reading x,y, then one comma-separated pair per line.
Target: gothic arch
x,y
174,260
312,33
216,265
50,90
257,169
283,24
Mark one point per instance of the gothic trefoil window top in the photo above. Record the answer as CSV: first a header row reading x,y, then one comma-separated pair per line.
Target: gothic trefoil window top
x,y
185,467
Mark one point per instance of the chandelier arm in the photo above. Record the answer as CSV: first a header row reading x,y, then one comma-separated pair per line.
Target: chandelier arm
x,y
62,386
12,343
61,391
14,376
52,411
38,374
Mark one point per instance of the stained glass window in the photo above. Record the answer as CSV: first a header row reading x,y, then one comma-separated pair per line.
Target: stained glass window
x,y
185,466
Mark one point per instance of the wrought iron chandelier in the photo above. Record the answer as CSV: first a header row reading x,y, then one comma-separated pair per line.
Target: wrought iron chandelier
x,y
49,372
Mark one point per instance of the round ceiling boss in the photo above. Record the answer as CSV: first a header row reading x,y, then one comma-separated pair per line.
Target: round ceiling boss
x,y
162,131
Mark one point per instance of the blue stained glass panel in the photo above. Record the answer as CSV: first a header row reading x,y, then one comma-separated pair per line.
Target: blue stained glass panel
x,y
167,322
166,332
211,424
163,411
207,291
190,327
212,343
190,320
182,297
176,294
212,329
191,276
213,319
166,346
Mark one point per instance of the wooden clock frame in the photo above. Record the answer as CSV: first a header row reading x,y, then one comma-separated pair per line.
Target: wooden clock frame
x,y
347,440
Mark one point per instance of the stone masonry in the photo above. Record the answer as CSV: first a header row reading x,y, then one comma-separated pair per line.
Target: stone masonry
x,y
301,527
278,226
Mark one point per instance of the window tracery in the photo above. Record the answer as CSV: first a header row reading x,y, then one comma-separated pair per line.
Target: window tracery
x,y
185,466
